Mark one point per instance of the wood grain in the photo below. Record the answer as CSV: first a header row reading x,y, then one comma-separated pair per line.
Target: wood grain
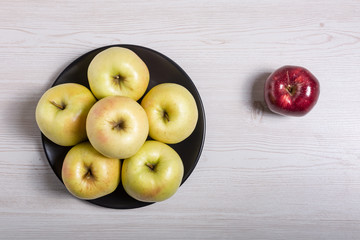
x,y
260,176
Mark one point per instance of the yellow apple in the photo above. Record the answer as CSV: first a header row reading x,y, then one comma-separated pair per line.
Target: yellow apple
x,y
118,71
172,112
153,174
89,175
61,113
117,126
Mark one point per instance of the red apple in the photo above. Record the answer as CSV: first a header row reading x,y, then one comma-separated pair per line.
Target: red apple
x,y
291,91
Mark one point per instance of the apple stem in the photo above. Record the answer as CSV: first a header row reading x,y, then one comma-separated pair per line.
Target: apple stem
x,y
59,106
119,125
166,116
88,175
118,79
291,90
151,166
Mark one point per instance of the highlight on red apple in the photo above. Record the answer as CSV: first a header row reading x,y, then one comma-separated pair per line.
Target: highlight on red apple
x,y
291,91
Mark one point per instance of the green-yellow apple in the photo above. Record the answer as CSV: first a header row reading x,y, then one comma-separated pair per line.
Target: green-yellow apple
x,y
87,174
153,174
117,126
118,71
172,112
61,113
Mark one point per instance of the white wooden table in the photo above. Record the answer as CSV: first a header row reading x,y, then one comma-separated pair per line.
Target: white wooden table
x,y
260,176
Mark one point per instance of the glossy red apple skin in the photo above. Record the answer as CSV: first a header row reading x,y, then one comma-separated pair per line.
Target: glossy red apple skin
x,y
291,91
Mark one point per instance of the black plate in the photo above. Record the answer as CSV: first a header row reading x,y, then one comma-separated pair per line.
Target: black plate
x,y
162,69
